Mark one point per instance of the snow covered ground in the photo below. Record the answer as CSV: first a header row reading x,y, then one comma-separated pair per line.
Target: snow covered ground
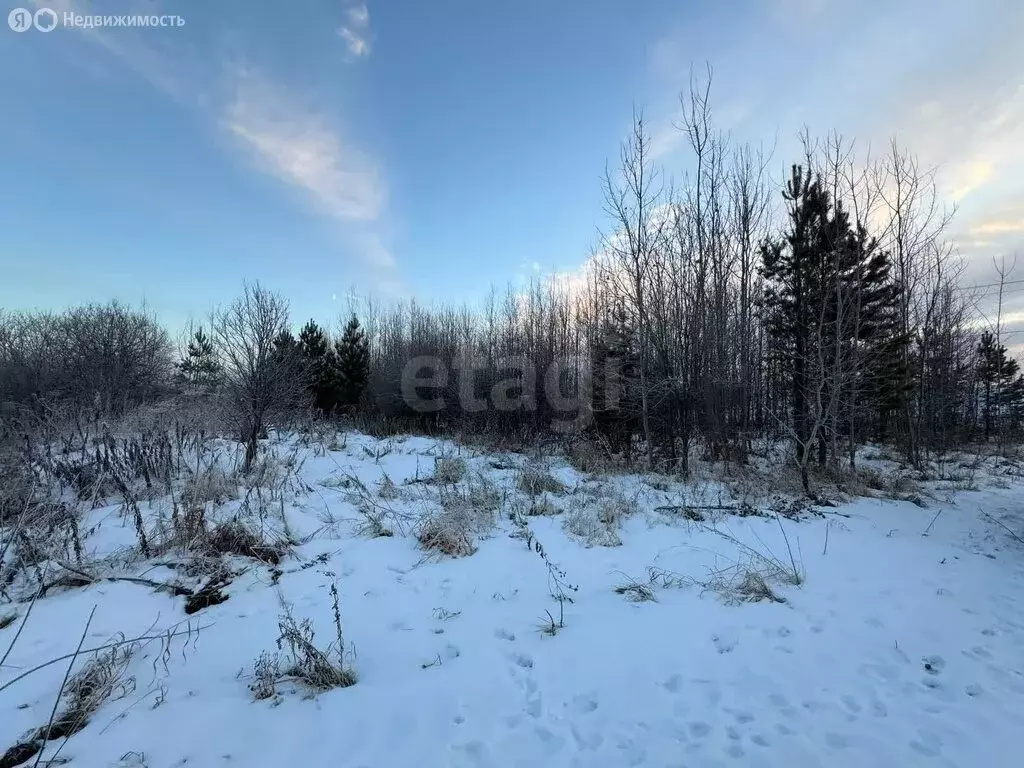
x,y
902,645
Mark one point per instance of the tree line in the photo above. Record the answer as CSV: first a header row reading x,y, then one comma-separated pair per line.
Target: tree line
x,y
825,308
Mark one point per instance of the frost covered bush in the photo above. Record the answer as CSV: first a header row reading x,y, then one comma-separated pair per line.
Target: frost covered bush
x,y
213,484
534,480
387,489
454,530
449,470
592,525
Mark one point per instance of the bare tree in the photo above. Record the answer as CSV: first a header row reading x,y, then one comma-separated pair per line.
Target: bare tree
x,y
262,382
633,202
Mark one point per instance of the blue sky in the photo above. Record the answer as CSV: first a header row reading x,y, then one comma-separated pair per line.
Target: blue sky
x,y
432,149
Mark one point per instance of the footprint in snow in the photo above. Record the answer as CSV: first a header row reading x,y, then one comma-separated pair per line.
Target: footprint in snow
x,y
504,634
522,660
851,704
673,684
699,729
723,644
584,703
933,665
927,743
837,740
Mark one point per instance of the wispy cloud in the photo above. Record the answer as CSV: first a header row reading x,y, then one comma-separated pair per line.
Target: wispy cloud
x,y
356,30
966,177
999,227
298,147
280,133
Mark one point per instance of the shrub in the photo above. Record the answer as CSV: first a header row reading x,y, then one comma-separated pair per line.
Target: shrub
x,y
585,523
534,480
449,532
211,485
387,489
233,537
299,658
449,470
453,530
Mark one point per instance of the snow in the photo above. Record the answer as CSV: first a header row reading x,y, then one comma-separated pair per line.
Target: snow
x,y
903,645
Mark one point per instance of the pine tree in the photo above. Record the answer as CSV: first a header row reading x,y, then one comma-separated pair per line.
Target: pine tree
x,y
996,373
880,379
793,268
285,346
200,368
832,310
352,360
319,366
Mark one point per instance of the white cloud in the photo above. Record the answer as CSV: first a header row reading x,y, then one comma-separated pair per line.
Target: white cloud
x,y
358,46
298,147
967,177
359,16
356,30
999,227
281,135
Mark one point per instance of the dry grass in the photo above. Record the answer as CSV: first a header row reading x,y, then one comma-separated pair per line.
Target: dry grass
x,y
465,515
591,527
450,533
636,591
300,659
386,488
590,457
449,470
102,677
212,485
191,532
237,537
534,480
746,577
542,507
735,584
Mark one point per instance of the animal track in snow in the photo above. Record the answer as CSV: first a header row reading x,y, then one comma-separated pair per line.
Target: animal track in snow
x,y
523,660
584,703
699,729
724,644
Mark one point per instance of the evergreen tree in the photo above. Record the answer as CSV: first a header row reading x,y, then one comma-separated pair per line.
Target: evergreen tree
x,y
352,360
880,379
200,368
792,267
996,373
319,365
286,348
832,312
